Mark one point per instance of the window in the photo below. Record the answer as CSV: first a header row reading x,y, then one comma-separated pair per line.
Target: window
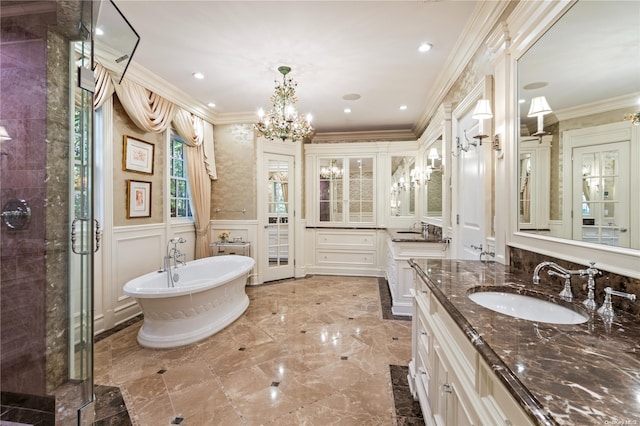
x,y
180,194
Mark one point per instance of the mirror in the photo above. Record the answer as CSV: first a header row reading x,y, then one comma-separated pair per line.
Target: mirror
x,y
432,161
403,185
578,155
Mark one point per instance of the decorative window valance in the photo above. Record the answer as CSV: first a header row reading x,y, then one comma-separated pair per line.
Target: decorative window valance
x,y
152,113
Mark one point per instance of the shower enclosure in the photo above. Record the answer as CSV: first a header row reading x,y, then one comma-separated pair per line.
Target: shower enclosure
x,y
48,232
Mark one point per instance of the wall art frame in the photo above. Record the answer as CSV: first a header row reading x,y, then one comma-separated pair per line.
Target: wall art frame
x,y
138,199
137,155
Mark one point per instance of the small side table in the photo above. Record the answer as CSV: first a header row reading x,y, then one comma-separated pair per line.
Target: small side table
x,y
241,248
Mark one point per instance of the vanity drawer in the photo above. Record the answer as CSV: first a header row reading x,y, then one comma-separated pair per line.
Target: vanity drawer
x,y
365,258
346,239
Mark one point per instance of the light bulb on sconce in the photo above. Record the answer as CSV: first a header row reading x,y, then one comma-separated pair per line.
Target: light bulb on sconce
x,y
481,113
539,108
433,156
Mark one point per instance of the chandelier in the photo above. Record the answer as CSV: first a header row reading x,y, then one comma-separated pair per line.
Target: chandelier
x,y
333,172
283,121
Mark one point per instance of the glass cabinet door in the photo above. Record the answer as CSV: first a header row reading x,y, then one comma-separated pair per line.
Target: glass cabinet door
x,y
361,190
346,190
331,190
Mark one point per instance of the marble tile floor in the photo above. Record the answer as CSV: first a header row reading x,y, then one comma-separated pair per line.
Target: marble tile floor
x,y
313,351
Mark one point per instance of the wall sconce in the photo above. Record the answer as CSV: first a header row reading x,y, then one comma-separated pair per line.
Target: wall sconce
x,y
463,146
539,108
481,113
416,177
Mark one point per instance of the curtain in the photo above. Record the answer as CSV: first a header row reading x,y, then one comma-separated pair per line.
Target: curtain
x,y
200,184
104,86
285,195
198,135
149,111
152,113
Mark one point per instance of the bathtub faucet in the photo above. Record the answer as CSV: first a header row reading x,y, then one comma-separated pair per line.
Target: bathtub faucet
x,y
177,256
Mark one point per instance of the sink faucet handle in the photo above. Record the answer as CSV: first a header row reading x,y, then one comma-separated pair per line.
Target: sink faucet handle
x,y
606,310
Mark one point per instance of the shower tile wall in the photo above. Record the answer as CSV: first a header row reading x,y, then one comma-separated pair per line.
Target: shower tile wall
x,y
34,164
23,161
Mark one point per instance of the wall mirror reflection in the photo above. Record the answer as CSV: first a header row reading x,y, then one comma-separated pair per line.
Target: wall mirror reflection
x,y
433,180
403,185
579,154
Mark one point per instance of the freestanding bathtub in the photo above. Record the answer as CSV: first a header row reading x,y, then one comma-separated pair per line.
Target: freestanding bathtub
x,y
208,296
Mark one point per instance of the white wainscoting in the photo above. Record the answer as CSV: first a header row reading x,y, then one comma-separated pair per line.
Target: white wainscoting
x,y
133,251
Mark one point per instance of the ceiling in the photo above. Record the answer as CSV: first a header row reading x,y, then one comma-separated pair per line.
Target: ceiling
x,y
336,49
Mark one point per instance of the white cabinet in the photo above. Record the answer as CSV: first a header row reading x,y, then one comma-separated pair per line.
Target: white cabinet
x,y
448,376
346,190
344,251
400,276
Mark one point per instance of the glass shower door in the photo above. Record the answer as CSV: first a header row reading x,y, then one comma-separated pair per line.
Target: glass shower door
x,y
84,232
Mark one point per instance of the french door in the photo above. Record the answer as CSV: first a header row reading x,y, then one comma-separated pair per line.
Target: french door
x,y
601,194
277,253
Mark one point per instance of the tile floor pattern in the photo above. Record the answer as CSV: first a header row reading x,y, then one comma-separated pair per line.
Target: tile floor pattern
x,y
311,351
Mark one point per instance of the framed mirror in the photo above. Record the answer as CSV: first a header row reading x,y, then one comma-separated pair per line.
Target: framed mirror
x,y
433,180
579,152
403,185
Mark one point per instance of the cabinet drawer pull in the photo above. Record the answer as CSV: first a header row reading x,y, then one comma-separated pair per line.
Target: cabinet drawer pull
x,y
424,333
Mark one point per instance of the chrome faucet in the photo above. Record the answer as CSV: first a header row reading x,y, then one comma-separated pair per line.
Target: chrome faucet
x,y
566,293
177,256
558,271
591,273
606,310
488,253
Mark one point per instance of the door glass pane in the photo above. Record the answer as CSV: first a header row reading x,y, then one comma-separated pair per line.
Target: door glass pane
x,y
278,206
361,190
331,198
599,180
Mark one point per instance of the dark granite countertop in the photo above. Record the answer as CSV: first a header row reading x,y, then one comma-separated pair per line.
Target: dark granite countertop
x,y
412,236
561,374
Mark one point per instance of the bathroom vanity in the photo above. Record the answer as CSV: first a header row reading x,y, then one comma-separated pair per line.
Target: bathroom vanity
x,y
471,365
400,246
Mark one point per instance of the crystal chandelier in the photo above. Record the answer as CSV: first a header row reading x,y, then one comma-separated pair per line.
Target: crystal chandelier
x,y
283,121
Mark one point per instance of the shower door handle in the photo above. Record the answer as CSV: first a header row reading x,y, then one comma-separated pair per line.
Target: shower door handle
x,y
98,233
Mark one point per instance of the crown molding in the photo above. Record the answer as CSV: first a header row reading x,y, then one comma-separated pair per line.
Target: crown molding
x,y
364,136
480,25
599,107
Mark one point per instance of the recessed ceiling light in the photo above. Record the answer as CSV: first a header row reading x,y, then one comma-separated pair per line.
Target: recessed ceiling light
x,y
99,31
425,47
535,85
351,97
403,107
521,101
211,104
347,110
198,75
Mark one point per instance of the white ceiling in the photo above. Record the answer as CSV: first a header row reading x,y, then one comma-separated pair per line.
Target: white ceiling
x,y
334,48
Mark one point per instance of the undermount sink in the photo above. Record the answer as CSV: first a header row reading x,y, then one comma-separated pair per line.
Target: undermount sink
x,y
527,307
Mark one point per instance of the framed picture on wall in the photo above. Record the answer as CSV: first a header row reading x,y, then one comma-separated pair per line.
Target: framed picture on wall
x,y
137,156
138,199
